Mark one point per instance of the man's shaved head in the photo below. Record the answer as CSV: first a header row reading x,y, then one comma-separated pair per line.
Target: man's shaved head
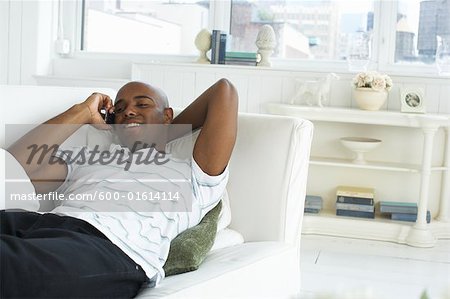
x,y
139,103
157,94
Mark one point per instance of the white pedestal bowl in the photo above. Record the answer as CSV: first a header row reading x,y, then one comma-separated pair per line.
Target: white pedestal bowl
x,y
360,146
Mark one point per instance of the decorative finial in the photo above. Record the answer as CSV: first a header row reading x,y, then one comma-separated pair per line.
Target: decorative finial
x,y
266,42
203,44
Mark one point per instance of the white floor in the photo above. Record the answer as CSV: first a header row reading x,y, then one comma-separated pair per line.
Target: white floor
x,y
359,269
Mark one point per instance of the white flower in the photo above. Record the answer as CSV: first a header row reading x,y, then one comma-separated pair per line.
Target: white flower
x,y
378,83
388,82
368,78
373,80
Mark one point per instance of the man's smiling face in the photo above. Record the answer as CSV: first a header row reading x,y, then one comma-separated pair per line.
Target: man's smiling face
x,y
138,104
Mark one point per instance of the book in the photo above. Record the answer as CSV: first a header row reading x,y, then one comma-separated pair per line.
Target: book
x,y
215,44
355,207
237,62
313,208
313,202
239,59
313,199
355,213
355,191
310,210
408,217
222,48
398,207
242,55
355,200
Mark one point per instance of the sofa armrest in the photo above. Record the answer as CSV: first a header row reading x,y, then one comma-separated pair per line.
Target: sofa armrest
x,y
268,176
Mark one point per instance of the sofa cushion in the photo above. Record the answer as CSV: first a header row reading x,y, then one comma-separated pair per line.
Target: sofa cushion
x,y
189,249
226,238
250,270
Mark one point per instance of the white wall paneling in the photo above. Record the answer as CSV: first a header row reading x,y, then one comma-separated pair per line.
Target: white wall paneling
x,y
254,94
260,85
241,84
203,80
444,98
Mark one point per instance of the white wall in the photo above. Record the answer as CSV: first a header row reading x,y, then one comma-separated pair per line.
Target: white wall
x,y
4,29
4,41
26,40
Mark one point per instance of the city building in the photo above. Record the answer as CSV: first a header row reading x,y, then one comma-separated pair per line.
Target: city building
x,y
404,42
433,21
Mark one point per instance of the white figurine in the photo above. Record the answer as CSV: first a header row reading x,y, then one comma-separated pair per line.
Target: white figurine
x,y
203,44
266,42
313,92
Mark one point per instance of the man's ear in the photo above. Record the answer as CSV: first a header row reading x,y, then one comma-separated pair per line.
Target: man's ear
x,y
168,115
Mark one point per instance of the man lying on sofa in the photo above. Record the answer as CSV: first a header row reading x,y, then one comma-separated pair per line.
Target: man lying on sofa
x,y
79,250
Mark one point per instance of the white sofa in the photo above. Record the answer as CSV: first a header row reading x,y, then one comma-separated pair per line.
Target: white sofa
x,y
268,173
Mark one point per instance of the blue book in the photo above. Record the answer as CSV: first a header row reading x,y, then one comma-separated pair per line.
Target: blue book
x,y
313,206
310,210
408,217
355,213
215,43
354,200
355,207
238,62
222,48
251,56
313,201
398,207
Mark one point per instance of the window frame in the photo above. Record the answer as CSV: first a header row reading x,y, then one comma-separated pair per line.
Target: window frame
x,y
383,43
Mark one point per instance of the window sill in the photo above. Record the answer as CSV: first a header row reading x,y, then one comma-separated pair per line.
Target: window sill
x,y
97,60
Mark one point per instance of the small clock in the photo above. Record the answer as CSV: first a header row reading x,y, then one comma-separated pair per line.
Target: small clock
x,y
412,100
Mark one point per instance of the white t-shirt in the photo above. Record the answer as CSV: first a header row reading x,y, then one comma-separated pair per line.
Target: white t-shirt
x,y
143,229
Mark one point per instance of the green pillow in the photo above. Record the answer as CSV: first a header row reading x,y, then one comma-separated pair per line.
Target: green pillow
x,y
189,249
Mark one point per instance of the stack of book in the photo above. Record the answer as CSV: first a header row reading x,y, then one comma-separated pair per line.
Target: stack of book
x,y
218,47
241,58
401,211
355,202
313,204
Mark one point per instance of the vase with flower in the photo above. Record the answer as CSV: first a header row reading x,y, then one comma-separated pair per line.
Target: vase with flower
x,y
371,90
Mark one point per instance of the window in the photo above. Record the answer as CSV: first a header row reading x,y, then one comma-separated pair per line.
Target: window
x,y
151,27
418,25
392,33
304,29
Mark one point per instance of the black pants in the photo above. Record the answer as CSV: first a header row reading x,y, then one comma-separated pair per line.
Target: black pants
x,y
51,256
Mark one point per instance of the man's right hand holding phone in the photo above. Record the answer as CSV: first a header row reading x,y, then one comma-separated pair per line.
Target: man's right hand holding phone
x,y
95,103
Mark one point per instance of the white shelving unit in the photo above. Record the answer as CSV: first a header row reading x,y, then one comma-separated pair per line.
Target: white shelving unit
x,y
419,234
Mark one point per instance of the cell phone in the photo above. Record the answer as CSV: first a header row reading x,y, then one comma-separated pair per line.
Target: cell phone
x,y
108,117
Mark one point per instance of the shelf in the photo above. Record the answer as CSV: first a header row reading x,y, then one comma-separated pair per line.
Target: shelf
x,y
381,228
389,166
384,118
328,223
370,165
379,218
